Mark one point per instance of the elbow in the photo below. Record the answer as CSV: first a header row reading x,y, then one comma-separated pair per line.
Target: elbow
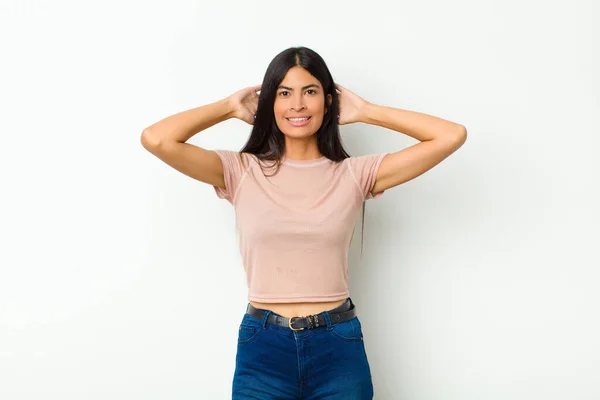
x,y
458,137
461,135
148,140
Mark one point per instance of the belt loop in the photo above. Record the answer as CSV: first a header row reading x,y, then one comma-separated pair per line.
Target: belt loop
x,y
328,320
265,316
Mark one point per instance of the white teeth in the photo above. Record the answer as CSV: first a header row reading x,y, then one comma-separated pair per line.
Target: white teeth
x,y
298,119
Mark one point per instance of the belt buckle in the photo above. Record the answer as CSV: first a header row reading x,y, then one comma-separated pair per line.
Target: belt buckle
x,y
290,324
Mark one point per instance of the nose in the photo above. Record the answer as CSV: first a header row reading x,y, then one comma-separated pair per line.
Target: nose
x,y
298,102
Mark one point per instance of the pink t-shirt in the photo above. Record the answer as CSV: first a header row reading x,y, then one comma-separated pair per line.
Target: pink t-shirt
x,y
294,229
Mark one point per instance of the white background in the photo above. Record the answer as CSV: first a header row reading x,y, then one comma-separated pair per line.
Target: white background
x,y
120,278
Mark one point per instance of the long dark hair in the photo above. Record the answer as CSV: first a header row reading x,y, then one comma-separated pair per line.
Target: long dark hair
x,y
266,141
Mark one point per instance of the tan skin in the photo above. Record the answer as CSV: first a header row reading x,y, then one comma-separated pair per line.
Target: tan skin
x,y
438,138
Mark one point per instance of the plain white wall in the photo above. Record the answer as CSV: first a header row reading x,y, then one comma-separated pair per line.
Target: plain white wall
x,y
120,278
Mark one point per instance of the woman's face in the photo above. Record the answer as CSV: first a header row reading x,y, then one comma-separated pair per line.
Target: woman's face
x,y
299,103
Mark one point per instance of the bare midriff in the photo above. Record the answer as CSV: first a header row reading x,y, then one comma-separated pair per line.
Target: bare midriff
x,y
298,309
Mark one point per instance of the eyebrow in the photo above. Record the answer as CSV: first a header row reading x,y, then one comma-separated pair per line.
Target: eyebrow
x,y
304,88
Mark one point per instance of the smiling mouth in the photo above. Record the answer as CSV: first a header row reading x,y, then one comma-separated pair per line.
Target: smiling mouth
x,y
299,119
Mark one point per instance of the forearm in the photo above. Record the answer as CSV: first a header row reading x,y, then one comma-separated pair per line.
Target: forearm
x,y
419,126
182,126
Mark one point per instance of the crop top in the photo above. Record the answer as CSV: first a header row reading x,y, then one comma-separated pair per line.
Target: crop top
x,y
294,228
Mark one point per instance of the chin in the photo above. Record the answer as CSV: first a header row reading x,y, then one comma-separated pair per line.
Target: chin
x,y
298,135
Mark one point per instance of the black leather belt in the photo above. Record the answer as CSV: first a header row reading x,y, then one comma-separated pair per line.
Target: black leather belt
x,y
343,313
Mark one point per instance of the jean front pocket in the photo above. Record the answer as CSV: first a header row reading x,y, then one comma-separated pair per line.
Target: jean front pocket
x,y
249,330
349,331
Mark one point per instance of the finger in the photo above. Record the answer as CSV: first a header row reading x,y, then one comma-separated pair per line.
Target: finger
x,y
256,88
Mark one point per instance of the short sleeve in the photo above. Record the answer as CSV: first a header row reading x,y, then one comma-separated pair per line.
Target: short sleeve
x,y
364,169
233,172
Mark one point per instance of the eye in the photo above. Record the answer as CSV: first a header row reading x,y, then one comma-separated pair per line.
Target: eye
x,y
281,93
310,90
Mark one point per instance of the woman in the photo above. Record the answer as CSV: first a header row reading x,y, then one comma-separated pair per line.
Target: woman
x,y
296,194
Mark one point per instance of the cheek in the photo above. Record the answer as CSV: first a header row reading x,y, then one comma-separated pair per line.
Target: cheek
x,y
278,110
318,113
318,107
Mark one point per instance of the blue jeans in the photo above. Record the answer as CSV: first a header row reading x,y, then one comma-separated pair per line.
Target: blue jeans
x,y
275,362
